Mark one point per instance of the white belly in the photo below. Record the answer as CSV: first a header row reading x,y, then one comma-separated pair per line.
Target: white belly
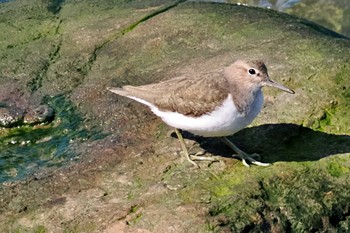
x,y
223,121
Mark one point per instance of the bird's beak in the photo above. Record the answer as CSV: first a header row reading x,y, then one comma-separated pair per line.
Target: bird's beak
x,y
272,83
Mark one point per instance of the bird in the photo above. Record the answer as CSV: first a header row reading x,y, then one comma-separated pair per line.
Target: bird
x,y
213,104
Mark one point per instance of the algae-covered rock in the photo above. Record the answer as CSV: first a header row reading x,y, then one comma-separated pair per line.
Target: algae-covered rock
x,y
301,197
127,175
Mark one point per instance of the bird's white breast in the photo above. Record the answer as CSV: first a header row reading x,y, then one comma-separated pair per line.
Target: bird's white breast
x,y
223,121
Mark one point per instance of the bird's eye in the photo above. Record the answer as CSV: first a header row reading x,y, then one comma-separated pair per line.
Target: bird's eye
x,y
251,71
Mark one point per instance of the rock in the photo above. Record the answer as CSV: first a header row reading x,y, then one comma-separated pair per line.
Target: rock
x,y
38,115
13,116
75,56
10,117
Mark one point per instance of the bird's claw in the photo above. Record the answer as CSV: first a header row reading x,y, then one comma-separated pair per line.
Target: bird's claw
x,y
247,160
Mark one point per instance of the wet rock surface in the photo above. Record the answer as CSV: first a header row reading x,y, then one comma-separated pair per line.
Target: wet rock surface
x,y
13,116
41,114
18,107
106,164
10,117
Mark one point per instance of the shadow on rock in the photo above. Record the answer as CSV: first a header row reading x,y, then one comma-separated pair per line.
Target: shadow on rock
x,y
279,142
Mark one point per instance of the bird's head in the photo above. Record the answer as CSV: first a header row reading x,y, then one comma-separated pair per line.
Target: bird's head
x,y
252,74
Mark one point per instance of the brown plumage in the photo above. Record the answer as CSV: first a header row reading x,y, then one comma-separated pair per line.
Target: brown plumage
x,y
188,96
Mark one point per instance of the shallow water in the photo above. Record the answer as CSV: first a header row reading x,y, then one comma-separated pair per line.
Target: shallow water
x,y
334,15
25,149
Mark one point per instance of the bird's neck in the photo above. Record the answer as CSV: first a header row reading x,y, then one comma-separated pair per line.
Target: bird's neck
x,y
245,97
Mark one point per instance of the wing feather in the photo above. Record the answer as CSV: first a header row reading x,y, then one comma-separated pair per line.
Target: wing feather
x,y
185,95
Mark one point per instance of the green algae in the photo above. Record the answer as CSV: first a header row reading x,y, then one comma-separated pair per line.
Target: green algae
x,y
334,117
40,229
24,149
324,121
137,215
34,229
336,169
281,198
77,228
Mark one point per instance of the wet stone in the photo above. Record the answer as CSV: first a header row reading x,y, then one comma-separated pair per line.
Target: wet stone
x,y
41,114
10,117
14,116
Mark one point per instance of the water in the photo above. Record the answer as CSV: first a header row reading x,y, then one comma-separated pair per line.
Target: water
x,y
25,149
332,14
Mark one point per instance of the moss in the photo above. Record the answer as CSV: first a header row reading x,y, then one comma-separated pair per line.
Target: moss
x,y
40,229
341,113
281,196
20,229
336,169
324,121
73,227
135,219
223,185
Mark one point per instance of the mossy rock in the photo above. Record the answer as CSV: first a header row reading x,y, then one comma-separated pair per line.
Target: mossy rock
x,y
130,179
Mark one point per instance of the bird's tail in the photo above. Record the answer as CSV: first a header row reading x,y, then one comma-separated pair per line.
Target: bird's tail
x,y
141,92
118,91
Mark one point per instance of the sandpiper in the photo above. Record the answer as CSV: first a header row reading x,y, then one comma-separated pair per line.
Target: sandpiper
x,y
209,105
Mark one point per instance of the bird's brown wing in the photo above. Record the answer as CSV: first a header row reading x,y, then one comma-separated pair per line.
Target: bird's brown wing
x,y
196,97
150,92
189,96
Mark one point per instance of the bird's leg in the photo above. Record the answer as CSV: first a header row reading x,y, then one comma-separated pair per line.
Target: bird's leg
x,y
184,149
197,156
242,155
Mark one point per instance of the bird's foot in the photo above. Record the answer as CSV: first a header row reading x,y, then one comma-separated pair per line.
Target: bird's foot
x,y
199,157
249,159
189,159
246,158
